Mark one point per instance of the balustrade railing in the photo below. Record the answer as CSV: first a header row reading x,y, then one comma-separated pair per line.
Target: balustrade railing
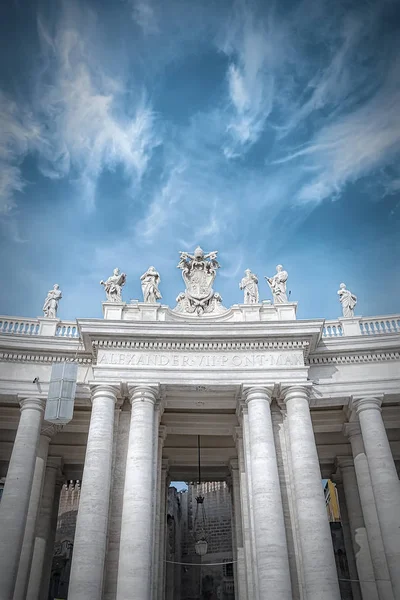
x,y
365,326
34,327
332,329
19,325
380,325
362,326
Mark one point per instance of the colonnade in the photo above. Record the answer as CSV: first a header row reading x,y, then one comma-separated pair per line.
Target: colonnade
x,y
370,484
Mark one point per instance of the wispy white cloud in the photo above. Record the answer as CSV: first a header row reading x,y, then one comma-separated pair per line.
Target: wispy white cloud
x,y
251,46
144,15
84,126
352,145
80,103
20,134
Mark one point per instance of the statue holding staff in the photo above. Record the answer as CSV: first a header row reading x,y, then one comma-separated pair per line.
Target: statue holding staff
x,y
113,286
150,281
347,300
277,283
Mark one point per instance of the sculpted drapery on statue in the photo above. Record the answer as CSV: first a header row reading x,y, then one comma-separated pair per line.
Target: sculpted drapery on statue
x,y
249,285
347,300
50,305
113,286
277,283
150,281
198,272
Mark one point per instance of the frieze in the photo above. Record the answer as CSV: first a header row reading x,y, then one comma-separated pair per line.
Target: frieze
x,y
200,360
205,345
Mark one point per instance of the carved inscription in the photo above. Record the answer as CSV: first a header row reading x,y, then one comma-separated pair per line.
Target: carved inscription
x,y
181,360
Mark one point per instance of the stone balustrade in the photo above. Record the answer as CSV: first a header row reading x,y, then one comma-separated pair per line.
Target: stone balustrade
x,y
333,328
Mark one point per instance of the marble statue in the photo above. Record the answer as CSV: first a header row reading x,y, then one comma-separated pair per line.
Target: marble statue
x,y
249,285
277,283
150,281
113,286
50,305
198,272
347,300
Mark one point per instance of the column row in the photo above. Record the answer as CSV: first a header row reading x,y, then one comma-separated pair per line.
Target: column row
x,y
267,567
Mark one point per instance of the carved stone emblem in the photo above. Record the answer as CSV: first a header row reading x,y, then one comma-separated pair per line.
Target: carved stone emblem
x,y
198,272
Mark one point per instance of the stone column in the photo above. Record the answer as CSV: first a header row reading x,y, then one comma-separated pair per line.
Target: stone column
x,y
240,573
162,433
48,430
135,554
359,538
381,571
348,544
163,529
17,490
385,482
269,527
90,541
244,503
320,576
46,525
247,462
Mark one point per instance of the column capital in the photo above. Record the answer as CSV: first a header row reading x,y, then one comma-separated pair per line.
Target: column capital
x,y
257,392
103,390
352,429
49,430
234,464
238,434
360,403
143,393
296,390
162,433
33,402
54,462
345,462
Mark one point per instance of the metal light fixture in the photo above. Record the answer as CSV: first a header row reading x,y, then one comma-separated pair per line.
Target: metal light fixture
x,y
200,521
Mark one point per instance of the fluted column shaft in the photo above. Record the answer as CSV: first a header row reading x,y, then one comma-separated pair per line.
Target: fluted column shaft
x,y
17,490
359,538
367,499
39,577
240,582
90,541
320,576
162,432
270,536
48,430
348,544
385,482
250,503
244,503
135,554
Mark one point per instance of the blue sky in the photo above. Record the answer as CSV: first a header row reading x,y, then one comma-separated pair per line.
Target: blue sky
x,y
132,129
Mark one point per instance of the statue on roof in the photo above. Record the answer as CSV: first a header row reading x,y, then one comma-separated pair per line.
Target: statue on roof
x,y
199,271
347,300
249,285
150,281
277,284
50,305
113,286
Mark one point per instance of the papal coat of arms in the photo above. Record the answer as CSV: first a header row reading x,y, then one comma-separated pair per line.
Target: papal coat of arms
x,y
198,272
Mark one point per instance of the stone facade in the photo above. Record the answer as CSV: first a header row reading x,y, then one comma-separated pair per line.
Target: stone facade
x,y
279,403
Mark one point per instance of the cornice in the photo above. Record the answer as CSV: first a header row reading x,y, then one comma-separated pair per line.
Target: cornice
x,y
43,358
361,357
